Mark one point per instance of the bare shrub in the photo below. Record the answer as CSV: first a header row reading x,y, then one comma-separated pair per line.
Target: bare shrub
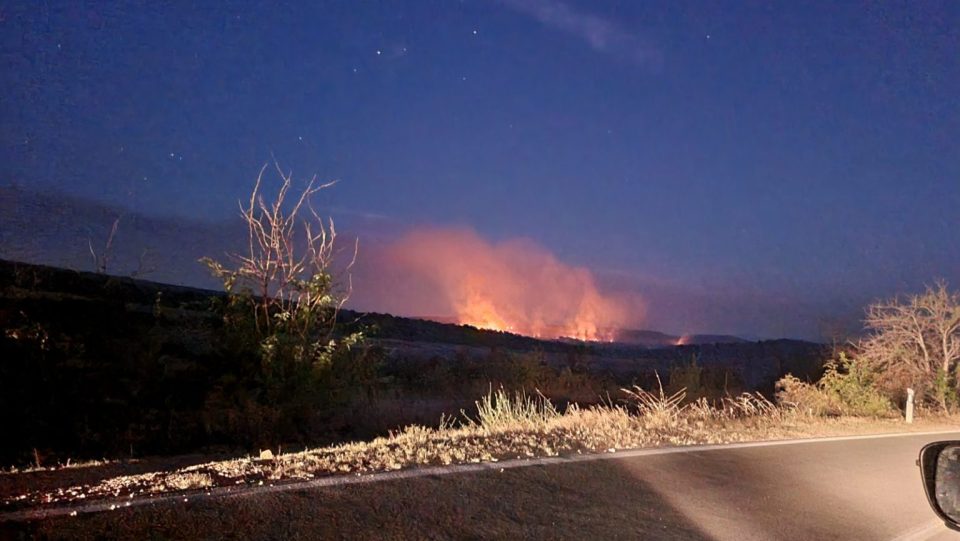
x,y
280,317
915,342
285,275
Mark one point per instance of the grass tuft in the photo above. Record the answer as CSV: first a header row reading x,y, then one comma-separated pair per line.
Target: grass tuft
x,y
659,408
501,410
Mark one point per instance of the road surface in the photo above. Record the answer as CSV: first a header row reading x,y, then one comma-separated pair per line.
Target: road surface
x,y
857,488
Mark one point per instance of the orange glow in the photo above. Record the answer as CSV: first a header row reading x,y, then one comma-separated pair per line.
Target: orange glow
x,y
514,286
477,309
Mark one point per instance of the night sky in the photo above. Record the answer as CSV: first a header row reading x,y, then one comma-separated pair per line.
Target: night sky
x,y
733,163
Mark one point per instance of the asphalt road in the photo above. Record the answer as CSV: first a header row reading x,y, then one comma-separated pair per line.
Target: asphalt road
x,y
838,489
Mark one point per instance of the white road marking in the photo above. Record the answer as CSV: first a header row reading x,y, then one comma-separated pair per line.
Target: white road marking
x,y
38,513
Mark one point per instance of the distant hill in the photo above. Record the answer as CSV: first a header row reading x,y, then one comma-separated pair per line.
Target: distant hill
x,y
59,230
658,339
636,337
756,364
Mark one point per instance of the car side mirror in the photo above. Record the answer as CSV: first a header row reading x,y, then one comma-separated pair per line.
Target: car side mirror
x,y
940,468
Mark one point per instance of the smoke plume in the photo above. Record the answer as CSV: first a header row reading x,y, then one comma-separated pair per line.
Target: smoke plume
x,y
515,285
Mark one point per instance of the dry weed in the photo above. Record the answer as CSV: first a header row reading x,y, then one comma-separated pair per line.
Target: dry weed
x,y
500,410
660,409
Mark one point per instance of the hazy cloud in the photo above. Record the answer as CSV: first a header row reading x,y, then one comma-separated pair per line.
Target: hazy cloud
x,y
602,34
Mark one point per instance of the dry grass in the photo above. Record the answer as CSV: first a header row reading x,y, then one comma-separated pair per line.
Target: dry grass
x,y
659,408
70,463
507,426
502,410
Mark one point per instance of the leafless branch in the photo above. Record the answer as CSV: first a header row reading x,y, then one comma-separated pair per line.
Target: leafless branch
x,y
288,262
102,260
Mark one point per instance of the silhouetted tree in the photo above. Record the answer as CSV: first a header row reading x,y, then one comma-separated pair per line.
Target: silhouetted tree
x,y
915,341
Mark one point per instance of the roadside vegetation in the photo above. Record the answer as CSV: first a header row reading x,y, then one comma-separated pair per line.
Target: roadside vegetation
x,y
95,365
271,363
912,342
279,317
847,387
507,426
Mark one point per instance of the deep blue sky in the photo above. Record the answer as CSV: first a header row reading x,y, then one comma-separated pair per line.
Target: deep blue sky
x,y
805,155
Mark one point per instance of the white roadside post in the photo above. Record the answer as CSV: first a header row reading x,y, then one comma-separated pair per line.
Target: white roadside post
x,y
909,407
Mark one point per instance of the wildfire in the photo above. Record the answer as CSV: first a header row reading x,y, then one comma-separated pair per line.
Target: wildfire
x,y
513,286
479,311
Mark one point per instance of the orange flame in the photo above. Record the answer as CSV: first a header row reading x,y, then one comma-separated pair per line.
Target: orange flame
x,y
514,286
